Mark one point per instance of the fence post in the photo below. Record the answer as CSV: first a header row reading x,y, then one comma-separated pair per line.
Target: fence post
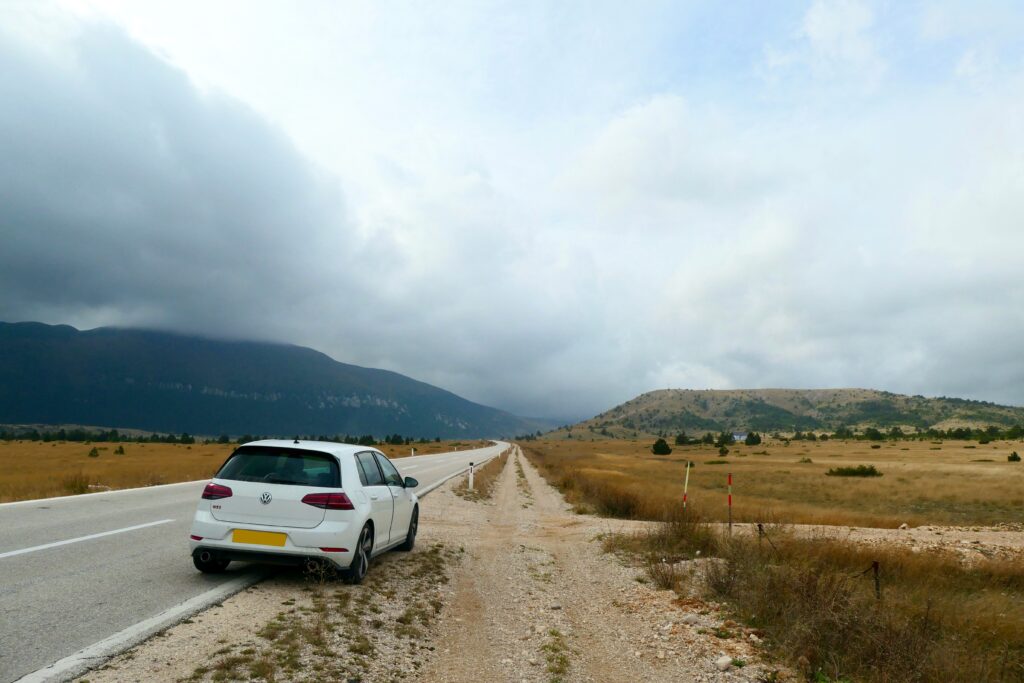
x,y
760,533
730,503
878,583
470,476
686,484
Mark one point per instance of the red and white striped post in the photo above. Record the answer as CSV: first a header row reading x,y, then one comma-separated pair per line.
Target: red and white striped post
x,y
730,503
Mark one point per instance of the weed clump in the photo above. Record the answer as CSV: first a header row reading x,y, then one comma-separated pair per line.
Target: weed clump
x,y
1013,457
857,471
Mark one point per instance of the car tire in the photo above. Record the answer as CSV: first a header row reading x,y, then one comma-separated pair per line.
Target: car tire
x,y
410,536
209,564
361,561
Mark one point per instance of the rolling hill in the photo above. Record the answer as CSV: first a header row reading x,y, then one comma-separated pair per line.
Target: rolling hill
x,y
165,382
766,410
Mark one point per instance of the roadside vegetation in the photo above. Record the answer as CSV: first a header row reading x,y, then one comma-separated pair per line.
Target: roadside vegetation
x,y
813,601
45,468
333,631
484,479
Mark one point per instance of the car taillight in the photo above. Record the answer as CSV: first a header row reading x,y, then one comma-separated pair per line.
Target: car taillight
x,y
195,538
334,550
329,501
216,492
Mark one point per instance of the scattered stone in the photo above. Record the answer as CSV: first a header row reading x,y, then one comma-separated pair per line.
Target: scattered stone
x,y
661,654
754,639
689,619
904,526
724,663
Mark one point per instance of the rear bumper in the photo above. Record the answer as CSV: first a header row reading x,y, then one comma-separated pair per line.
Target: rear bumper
x,y
285,559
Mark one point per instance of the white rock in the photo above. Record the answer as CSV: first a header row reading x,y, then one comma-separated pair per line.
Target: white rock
x,y
661,654
689,619
724,663
904,526
754,639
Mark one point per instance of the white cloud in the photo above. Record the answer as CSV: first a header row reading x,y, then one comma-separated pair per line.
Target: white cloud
x,y
835,42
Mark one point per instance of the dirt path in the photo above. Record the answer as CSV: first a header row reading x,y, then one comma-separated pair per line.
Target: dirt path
x,y
539,601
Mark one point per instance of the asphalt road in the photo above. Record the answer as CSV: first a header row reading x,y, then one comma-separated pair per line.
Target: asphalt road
x,y
76,571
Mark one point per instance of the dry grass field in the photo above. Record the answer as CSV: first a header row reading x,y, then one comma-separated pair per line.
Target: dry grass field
x,y
937,617
37,469
922,483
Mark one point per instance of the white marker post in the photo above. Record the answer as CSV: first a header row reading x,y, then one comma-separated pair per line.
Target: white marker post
x,y
470,476
686,484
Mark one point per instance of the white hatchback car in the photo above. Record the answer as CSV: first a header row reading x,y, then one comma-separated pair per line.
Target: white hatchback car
x,y
291,502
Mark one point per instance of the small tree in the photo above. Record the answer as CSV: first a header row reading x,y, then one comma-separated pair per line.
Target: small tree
x,y
661,447
723,451
753,439
725,439
1013,457
681,439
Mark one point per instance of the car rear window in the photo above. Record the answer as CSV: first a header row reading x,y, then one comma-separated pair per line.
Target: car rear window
x,y
281,466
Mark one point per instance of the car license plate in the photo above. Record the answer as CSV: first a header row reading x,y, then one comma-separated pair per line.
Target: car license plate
x,y
258,537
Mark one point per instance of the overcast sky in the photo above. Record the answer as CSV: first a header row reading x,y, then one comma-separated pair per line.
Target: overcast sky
x,y
545,207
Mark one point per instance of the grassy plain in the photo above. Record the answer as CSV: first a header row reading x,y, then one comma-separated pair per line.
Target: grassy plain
x,y
37,469
923,482
936,619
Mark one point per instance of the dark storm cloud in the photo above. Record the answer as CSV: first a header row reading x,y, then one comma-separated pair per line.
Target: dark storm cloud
x,y
130,197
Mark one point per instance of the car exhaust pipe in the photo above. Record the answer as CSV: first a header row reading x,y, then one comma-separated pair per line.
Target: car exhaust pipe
x,y
205,556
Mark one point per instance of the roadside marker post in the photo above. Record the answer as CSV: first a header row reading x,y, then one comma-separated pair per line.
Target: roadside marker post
x,y
470,476
730,503
686,484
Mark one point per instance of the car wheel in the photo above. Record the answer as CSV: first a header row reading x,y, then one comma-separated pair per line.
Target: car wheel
x,y
414,526
361,562
207,563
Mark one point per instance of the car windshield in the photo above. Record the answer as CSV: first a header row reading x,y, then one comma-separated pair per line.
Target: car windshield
x,y
281,466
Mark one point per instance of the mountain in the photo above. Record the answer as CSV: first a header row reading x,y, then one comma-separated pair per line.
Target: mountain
x,y
167,382
768,410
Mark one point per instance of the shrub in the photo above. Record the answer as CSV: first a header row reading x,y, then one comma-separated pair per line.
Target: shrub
x,y
723,451
876,445
94,453
119,450
76,483
661,447
858,471
753,439
805,461
1013,457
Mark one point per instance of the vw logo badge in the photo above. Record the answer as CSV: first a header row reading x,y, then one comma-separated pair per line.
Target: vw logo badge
x,y
265,498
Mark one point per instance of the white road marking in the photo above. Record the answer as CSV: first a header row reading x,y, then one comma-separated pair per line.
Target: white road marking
x,y
55,544
94,655
98,494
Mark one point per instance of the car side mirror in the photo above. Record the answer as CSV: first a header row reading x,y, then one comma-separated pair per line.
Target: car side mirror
x,y
410,483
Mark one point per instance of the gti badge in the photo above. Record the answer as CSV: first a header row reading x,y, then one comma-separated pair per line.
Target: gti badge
x,y
265,497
